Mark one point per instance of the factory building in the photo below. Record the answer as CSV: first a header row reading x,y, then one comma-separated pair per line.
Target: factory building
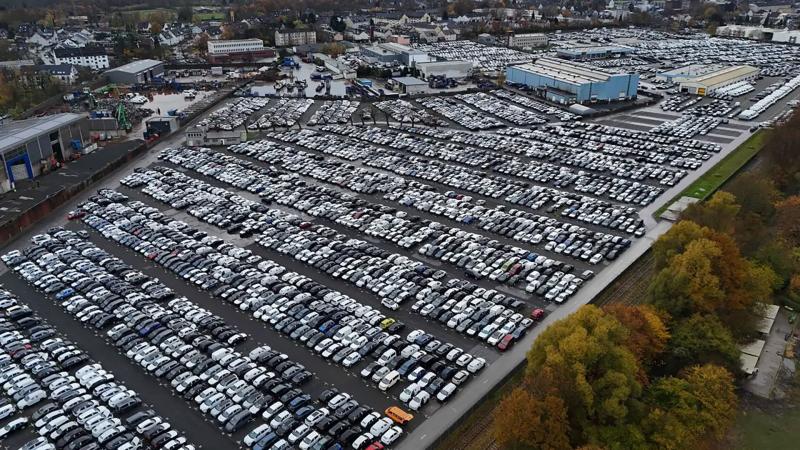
x,y
238,49
570,82
407,85
137,72
457,70
685,73
709,82
32,146
527,41
390,52
292,38
593,52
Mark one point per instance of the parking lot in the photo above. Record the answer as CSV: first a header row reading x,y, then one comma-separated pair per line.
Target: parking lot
x,y
327,282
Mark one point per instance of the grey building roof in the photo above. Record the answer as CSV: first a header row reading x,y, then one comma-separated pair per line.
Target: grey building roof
x,y
56,69
18,132
80,51
136,67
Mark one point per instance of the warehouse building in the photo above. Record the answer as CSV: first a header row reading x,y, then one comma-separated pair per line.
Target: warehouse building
x,y
527,41
708,83
570,82
29,147
238,50
136,72
291,38
593,52
390,52
408,85
457,70
685,73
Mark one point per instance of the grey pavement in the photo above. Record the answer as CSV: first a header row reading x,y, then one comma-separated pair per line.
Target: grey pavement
x,y
765,383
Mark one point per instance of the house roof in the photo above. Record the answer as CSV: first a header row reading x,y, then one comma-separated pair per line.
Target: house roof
x,y
56,69
77,52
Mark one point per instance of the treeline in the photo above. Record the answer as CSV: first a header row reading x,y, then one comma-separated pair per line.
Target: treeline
x,y
662,375
18,93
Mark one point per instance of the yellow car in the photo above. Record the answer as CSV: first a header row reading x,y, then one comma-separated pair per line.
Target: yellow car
x,y
385,323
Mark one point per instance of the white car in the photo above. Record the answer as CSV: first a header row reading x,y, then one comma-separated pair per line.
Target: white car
x,y
391,435
476,364
419,400
409,392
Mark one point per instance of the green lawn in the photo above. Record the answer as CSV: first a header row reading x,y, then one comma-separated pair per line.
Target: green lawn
x,y
208,16
760,430
719,174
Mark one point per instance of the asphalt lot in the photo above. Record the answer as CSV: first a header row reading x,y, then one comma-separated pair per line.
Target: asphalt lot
x,y
198,427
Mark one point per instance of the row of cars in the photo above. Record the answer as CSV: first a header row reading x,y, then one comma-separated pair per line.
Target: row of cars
x,y
404,111
336,111
505,110
282,113
393,362
540,107
234,114
460,113
507,264
263,385
158,338
290,323
83,406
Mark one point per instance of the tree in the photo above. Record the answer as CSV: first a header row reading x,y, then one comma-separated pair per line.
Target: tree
x,y
157,21
687,410
781,155
520,418
755,193
718,213
647,333
674,241
701,339
185,14
337,24
596,372
787,219
333,49
461,7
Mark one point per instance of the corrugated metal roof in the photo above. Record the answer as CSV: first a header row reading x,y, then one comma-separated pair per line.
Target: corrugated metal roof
x,y
722,75
566,71
135,67
18,132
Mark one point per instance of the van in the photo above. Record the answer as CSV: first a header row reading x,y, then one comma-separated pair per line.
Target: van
x,y
398,415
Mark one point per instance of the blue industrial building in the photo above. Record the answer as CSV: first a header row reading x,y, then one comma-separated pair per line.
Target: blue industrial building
x,y
568,82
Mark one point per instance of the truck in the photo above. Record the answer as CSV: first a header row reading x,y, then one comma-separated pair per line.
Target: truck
x,y
216,71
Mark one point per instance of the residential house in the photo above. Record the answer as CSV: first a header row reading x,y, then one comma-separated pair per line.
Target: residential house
x,y
94,58
66,73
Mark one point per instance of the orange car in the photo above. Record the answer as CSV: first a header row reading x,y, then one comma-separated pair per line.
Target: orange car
x,y
398,415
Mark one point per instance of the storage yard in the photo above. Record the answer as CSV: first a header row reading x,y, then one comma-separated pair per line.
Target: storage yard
x,y
301,273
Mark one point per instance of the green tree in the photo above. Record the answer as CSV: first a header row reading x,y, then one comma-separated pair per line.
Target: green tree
x,y
701,339
685,411
596,372
718,213
185,14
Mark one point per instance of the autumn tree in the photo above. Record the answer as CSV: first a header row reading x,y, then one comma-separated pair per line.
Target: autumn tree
x,y
596,372
718,213
686,410
781,155
520,418
702,271
787,219
647,333
700,339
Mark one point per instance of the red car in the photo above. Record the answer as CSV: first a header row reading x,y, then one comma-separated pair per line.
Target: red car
x,y
76,214
505,343
537,314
